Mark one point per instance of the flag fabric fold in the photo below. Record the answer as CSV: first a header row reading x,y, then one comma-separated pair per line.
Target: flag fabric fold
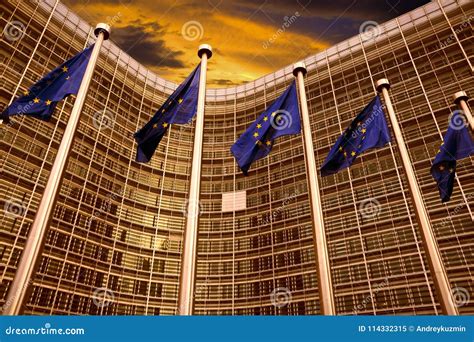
x,y
368,130
179,108
40,100
281,118
457,144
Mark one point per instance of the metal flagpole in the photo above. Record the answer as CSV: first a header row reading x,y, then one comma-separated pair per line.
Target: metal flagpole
x,y
432,252
460,98
326,297
192,211
18,292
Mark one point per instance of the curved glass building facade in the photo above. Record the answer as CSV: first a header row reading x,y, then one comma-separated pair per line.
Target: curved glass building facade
x,y
118,226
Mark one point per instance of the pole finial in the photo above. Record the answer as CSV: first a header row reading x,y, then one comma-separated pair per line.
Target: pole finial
x,y
104,28
459,96
297,67
382,83
205,48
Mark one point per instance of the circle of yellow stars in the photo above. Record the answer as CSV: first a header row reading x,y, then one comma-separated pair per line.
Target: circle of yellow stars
x,y
48,102
256,135
353,153
442,167
166,124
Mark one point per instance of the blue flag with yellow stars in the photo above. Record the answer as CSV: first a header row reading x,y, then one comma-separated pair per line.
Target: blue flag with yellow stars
x,y
281,118
179,108
457,144
41,99
368,130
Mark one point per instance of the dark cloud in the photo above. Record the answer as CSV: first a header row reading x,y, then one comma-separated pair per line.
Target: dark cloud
x,y
225,82
326,22
139,40
108,2
329,21
360,9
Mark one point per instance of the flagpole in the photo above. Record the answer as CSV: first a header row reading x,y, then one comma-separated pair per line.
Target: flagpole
x,y
17,297
326,296
192,210
430,244
460,98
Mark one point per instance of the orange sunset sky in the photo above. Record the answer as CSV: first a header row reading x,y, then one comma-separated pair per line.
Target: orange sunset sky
x,y
164,35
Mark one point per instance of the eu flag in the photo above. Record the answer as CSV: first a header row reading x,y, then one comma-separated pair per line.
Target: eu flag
x,y
368,130
281,118
457,144
41,99
179,108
